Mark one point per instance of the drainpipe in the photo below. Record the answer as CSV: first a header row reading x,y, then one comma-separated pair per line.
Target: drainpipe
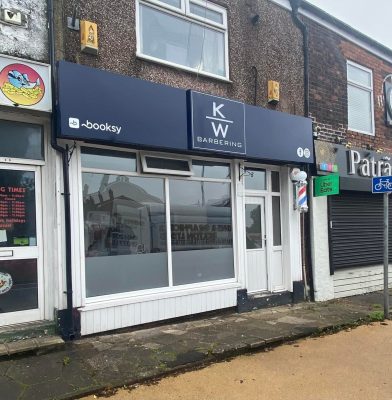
x,y
65,317
305,218
295,4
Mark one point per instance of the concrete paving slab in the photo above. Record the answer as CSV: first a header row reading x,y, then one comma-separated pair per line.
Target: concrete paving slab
x,y
124,358
10,389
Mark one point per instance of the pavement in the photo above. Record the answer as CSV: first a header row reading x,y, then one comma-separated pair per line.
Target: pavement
x,y
103,362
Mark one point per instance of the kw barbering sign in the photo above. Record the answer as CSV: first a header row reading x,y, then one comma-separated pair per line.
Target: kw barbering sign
x,y
218,124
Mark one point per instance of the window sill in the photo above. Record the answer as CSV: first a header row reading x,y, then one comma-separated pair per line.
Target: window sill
x,y
362,132
182,68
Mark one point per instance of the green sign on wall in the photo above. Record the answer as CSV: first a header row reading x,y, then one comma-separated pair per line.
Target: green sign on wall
x,y
326,185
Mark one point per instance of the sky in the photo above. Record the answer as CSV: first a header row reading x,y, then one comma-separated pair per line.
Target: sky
x,y
371,17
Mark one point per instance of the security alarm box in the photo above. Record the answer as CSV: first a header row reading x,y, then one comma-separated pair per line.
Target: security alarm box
x,y
89,37
273,92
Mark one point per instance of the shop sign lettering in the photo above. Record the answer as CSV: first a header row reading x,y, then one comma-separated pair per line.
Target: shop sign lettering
x,y
217,124
326,185
368,166
201,235
12,206
5,282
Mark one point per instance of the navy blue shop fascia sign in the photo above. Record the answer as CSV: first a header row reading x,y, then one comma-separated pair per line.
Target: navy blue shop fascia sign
x,y
99,106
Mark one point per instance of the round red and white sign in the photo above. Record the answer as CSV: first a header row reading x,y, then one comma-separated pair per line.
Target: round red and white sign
x,y
5,282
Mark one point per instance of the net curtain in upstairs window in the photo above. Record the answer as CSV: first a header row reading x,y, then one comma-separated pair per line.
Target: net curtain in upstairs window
x,y
179,41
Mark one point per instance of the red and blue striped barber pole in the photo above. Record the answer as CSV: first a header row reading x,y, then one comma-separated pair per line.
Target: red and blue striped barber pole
x,y
302,197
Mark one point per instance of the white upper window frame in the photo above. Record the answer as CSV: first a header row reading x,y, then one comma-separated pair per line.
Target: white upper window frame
x,y
184,12
147,169
363,87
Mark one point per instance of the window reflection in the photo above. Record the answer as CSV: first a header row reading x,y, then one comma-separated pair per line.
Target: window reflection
x,y
124,216
254,238
21,140
182,42
201,231
255,179
276,221
206,169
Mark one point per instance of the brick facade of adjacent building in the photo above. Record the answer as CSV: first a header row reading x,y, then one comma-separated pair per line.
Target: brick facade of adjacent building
x,y
329,53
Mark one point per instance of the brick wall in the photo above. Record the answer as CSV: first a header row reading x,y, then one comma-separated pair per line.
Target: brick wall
x,y
329,53
273,46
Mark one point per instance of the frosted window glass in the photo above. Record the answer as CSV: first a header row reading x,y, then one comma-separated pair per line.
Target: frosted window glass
x,y
21,140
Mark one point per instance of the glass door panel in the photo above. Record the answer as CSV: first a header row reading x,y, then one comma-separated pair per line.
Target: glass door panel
x,y
256,257
20,262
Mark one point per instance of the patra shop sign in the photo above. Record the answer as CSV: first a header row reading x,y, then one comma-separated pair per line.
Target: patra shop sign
x,y
367,165
355,166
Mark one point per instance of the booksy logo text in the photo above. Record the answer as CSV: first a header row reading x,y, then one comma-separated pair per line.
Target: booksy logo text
x,y
75,123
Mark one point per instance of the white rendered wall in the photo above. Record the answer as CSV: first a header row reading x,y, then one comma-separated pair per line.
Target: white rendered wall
x,y
322,280
28,41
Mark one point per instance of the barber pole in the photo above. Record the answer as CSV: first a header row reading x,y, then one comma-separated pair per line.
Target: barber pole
x,y
302,198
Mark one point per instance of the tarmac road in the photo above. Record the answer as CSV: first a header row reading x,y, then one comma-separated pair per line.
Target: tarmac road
x,y
353,364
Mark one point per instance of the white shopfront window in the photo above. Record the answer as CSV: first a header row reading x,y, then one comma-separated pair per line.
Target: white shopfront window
x,y
154,232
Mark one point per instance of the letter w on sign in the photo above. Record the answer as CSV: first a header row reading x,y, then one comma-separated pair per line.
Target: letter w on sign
x,y
220,129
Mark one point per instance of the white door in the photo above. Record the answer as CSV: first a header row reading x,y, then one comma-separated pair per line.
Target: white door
x,y
21,271
256,254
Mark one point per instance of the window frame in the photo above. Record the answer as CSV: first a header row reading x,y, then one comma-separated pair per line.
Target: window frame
x,y
369,89
171,288
185,14
162,171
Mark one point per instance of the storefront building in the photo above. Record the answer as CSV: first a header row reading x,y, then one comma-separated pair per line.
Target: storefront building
x,y
349,80
181,201
29,182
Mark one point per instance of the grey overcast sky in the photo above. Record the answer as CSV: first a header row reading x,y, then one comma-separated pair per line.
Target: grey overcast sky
x,y
371,17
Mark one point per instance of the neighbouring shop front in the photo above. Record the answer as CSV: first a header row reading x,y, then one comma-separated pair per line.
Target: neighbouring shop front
x,y
180,200
348,228
27,172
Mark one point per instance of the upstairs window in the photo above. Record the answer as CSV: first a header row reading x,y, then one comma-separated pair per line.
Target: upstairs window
x,y
360,99
189,34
